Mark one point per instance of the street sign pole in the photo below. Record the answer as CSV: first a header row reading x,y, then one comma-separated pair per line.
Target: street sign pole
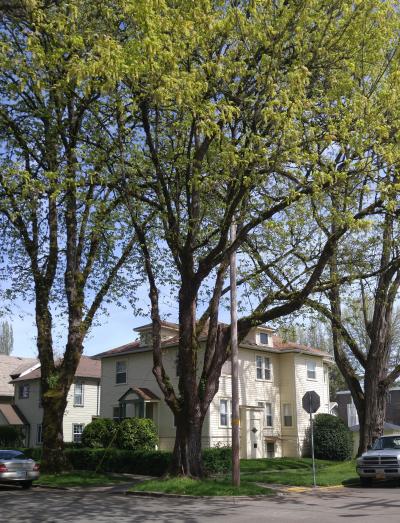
x,y
312,445
311,403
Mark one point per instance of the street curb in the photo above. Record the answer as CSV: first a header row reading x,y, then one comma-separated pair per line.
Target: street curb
x,y
53,487
149,494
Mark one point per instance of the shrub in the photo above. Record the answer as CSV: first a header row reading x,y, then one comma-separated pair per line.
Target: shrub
x,y
10,436
332,438
217,459
136,433
100,433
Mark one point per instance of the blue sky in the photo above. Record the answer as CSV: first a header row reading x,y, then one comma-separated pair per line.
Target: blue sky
x,y
110,330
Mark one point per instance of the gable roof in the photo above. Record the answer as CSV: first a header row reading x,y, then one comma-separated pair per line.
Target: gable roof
x,y
280,346
12,365
87,368
13,415
143,392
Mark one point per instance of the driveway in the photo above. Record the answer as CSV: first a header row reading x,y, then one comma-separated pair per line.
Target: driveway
x,y
355,504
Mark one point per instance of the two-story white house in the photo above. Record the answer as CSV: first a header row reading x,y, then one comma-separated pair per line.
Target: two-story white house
x,y
274,376
83,401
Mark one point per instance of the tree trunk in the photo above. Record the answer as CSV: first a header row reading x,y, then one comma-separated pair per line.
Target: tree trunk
x,y
372,420
53,459
187,457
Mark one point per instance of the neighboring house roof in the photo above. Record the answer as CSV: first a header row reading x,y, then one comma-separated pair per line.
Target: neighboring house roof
x,y
12,415
386,426
279,346
12,365
143,392
87,368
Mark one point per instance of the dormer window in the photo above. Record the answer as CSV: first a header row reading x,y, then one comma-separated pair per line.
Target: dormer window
x,y
263,338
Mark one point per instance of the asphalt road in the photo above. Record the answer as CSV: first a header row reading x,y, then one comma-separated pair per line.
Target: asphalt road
x,y
379,504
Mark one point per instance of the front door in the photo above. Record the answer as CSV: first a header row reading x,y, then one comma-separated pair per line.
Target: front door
x,y
256,450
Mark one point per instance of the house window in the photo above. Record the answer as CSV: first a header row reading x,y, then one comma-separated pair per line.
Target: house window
x,y
78,394
23,391
287,415
119,412
120,372
225,407
267,413
77,429
311,370
264,338
39,434
270,449
263,368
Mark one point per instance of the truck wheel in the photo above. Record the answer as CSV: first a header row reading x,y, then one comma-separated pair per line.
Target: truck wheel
x,y
366,482
26,484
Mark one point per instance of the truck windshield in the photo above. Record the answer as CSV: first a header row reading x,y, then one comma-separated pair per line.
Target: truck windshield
x,y
387,442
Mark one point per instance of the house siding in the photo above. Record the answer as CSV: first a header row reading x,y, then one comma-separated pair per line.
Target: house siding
x,y
33,412
303,385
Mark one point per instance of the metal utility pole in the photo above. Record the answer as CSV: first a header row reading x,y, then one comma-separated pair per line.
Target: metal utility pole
x,y
235,370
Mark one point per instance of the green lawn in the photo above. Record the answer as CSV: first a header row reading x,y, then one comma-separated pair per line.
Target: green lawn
x,y
80,479
207,487
300,473
283,471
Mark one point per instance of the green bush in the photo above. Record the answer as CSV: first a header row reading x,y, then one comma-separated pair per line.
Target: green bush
x,y
99,433
33,453
332,438
10,436
153,463
136,433
217,459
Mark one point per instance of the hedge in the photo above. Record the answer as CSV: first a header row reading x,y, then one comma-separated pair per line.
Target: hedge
x,y
151,463
332,438
10,436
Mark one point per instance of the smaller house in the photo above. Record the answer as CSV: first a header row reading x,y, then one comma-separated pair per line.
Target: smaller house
x,y
12,366
347,412
83,401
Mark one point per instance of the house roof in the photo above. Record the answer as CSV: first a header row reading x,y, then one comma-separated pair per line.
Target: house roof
x,y
12,365
87,368
12,414
386,426
168,324
280,346
143,392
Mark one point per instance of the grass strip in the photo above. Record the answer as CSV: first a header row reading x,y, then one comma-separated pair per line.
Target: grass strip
x,y
205,487
81,479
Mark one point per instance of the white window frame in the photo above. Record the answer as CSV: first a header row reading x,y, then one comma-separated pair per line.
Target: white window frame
x,y
260,334
265,368
117,372
39,434
287,413
228,412
77,433
311,373
82,394
23,391
268,413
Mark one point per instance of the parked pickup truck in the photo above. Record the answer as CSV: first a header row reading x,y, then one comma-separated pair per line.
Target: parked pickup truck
x,y
381,461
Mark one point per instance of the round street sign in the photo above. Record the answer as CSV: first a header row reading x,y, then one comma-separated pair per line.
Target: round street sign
x,y
311,402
